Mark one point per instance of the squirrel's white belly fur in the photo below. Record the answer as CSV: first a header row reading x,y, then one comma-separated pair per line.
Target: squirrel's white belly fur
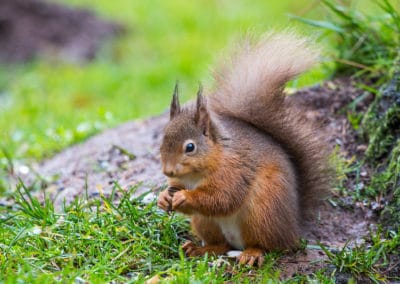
x,y
190,181
231,230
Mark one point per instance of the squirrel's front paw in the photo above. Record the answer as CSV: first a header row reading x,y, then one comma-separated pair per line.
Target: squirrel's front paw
x,y
164,200
180,201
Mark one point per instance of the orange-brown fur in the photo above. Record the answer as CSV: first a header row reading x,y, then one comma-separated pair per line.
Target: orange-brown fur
x,y
257,166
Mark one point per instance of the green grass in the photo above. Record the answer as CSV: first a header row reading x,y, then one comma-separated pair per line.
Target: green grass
x,y
129,241
370,260
366,43
97,240
103,240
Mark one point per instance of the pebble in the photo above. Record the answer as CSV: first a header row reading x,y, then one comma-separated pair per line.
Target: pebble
x,y
233,253
149,198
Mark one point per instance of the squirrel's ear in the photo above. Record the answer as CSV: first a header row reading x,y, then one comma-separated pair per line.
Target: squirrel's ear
x,y
175,107
202,117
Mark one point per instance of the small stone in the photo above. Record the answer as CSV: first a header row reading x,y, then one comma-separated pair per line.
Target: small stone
x,y
149,198
338,142
24,170
359,186
233,253
331,85
361,148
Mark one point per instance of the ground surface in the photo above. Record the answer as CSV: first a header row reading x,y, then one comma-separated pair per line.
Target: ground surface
x,y
129,155
31,28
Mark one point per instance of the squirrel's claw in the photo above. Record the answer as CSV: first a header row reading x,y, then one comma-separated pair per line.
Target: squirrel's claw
x,y
251,256
164,201
189,248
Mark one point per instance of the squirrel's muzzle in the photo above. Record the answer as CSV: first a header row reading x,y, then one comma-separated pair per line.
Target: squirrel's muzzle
x,y
169,170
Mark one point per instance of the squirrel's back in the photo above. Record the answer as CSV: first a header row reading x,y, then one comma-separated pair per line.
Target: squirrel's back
x,y
249,88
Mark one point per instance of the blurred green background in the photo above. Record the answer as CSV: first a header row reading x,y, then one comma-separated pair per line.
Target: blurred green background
x,y
48,105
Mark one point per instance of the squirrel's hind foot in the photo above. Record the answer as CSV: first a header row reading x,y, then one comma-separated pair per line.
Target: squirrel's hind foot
x,y
250,256
192,250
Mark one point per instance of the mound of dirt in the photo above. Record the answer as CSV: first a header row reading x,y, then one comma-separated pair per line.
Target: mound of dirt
x,y
30,28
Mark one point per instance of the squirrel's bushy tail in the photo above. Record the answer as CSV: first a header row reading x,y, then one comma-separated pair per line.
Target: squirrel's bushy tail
x,y
249,87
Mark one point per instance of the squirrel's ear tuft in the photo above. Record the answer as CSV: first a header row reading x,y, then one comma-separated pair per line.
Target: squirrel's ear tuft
x,y
175,106
202,117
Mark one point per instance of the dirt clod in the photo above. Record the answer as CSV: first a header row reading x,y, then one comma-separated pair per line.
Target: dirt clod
x,y
31,28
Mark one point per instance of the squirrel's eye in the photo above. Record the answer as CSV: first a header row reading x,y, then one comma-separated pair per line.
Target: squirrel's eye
x,y
189,147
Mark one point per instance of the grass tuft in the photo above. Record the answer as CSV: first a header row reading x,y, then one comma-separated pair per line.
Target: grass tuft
x,y
92,240
365,44
371,260
105,240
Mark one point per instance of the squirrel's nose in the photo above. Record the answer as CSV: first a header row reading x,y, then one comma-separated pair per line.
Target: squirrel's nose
x,y
168,171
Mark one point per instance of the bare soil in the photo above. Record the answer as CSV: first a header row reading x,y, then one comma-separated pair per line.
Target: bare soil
x,y
129,155
31,28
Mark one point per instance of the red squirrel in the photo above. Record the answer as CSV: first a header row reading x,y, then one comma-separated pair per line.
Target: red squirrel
x,y
247,164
